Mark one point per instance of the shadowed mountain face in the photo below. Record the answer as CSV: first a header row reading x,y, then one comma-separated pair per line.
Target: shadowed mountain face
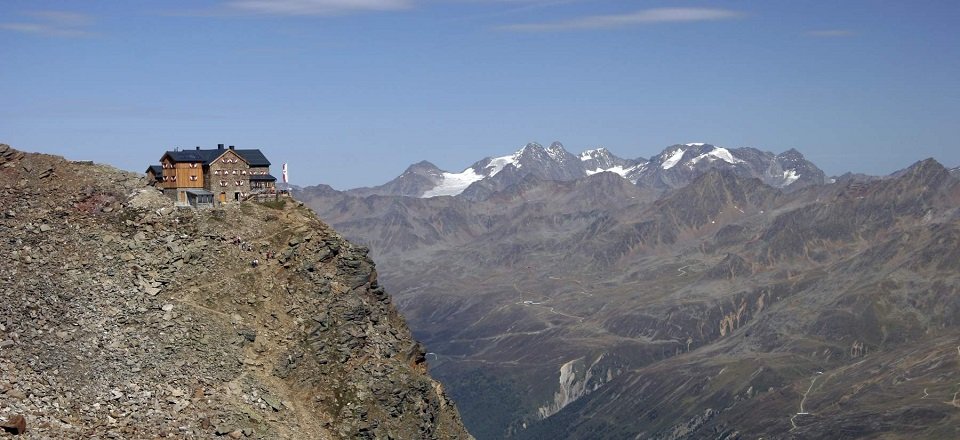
x,y
725,307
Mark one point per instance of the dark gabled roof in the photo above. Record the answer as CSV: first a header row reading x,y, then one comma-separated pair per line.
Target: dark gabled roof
x,y
263,177
157,169
254,157
204,156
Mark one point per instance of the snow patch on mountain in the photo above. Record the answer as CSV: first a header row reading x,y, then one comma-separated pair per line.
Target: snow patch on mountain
x,y
497,163
674,159
717,153
790,176
591,154
617,169
455,183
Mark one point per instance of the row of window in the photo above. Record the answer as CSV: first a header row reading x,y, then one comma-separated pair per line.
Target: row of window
x,y
174,178
168,166
243,172
217,172
236,182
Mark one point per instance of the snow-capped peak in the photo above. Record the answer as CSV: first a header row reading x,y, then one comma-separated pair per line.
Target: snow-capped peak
x,y
672,167
595,153
557,152
528,148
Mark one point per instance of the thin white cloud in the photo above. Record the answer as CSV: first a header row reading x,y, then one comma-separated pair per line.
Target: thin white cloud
x,y
64,18
316,7
319,8
643,17
831,33
52,24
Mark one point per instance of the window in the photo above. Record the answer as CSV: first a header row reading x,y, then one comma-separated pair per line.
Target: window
x,y
239,182
223,183
193,178
244,172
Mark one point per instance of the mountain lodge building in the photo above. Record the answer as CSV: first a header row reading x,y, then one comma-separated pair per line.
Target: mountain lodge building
x,y
212,176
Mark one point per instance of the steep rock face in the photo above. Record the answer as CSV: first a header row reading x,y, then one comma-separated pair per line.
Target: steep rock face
x,y
578,378
123,317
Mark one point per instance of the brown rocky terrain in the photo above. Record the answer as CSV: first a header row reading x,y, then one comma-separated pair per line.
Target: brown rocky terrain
x,y
123,317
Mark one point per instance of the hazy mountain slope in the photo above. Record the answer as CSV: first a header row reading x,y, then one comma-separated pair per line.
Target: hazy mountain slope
x,y
123,317
866,339
564,308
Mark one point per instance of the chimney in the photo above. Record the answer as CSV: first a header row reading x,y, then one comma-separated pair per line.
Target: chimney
x,y
231,147
198,148
219,146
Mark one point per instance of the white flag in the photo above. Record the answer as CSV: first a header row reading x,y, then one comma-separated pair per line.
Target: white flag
x,y
285,179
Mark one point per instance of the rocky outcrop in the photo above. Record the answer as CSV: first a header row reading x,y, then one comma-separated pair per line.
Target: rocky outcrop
x,y
577,379
123,317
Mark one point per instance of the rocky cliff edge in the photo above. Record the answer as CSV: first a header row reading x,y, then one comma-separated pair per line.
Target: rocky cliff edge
x,y
124,317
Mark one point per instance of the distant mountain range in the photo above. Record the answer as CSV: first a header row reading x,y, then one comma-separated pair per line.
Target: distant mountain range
x,y
676,166
703,293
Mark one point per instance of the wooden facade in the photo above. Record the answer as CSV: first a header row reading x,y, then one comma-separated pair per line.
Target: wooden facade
x,y
182,174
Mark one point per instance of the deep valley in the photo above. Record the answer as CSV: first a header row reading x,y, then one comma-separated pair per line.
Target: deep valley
x,y
698,298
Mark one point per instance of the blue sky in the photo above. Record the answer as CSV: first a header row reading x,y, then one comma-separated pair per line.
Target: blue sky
x,y
350,92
